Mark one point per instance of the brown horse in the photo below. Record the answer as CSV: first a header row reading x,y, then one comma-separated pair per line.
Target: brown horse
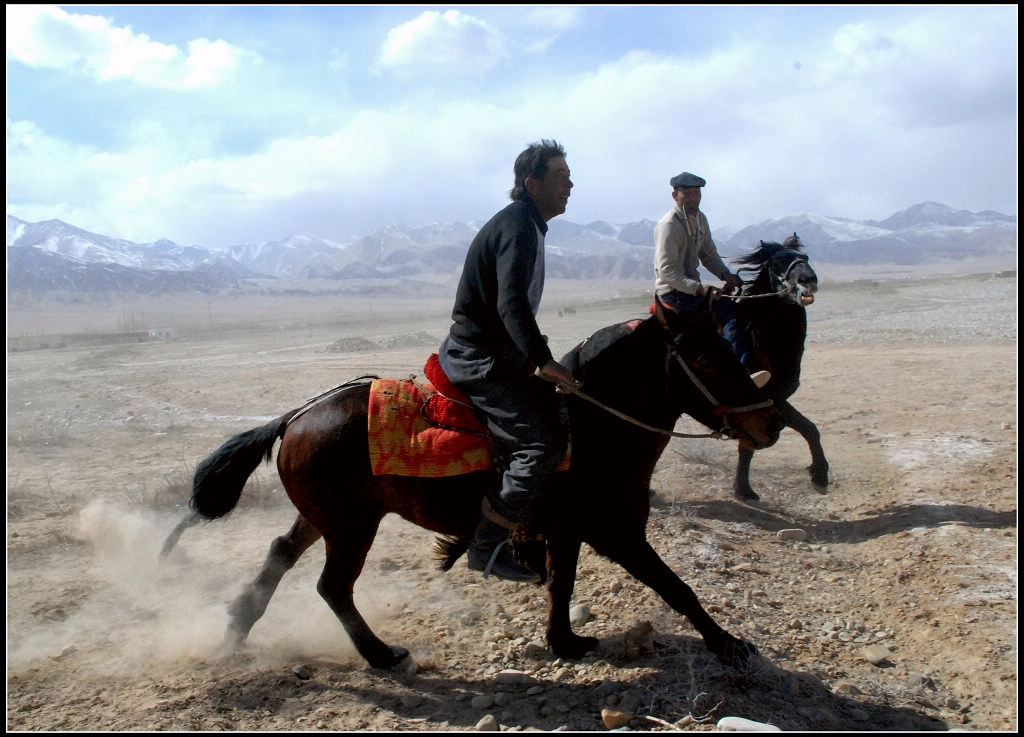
x,y
639,378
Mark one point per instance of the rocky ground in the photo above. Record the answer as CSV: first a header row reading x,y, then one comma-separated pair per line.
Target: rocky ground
x,y
894,608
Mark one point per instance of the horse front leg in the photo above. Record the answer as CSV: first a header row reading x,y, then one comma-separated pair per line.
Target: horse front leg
x,y
809,431
251,604
741,487
563,557
643,563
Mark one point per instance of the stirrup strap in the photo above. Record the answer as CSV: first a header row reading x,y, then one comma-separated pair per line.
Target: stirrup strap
x,y
494,557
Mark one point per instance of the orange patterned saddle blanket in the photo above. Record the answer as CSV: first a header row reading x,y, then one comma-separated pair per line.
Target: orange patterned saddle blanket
x,y
414,430
426,429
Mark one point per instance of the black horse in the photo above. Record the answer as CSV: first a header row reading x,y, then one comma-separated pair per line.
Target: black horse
x,y
639,377
772,309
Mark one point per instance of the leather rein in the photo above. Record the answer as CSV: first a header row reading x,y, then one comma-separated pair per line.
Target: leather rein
x,y
720,408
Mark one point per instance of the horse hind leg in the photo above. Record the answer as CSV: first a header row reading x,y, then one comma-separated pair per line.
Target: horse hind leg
x,y
251,604
809,432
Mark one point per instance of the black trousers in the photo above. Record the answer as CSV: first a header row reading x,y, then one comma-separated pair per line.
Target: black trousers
x,y
522,412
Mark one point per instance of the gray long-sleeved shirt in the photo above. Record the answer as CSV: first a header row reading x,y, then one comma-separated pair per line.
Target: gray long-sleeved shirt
x,y
679,247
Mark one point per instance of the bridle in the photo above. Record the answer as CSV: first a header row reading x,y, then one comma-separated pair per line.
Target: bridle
x,y
719,408
786,286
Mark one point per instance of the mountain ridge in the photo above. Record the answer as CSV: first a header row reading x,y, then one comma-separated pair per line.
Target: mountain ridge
x,y
54,255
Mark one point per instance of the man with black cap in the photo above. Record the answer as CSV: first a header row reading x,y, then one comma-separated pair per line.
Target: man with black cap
x,y
682,241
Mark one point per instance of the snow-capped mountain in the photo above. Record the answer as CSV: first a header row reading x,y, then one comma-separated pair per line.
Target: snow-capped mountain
x,y
55,255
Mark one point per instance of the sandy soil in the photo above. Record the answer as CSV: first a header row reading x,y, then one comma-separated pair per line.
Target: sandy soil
x,y
912,383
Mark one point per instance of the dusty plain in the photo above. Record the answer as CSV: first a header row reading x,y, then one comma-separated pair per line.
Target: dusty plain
x,y
911,379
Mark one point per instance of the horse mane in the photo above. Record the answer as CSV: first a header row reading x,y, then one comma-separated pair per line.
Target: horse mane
x,y
773,328
754,261
590,348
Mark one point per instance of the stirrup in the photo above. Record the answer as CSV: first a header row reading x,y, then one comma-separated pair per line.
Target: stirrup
x,y
488,511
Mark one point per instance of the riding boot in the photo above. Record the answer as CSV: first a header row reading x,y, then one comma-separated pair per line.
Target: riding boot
x,y
491,552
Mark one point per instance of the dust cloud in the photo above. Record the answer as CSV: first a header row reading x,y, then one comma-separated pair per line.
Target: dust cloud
x,y
152,614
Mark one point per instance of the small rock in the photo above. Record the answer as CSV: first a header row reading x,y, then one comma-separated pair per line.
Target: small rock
x,y
614,719
739,724
535,650
562,673
483,701
302,672
488,724
579,614
794,535
875,654
512,678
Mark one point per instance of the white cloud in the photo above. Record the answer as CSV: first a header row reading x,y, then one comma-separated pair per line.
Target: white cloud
x,y
859,121
48,37
451,42
548,23
554,17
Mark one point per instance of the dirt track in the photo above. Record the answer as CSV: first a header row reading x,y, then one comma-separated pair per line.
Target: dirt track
x,y
914,548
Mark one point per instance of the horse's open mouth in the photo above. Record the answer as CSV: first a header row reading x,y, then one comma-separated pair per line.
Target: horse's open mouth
x,y
752,442
806,299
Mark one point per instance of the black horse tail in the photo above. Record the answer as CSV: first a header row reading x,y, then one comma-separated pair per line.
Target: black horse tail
x,y
220,478
447,549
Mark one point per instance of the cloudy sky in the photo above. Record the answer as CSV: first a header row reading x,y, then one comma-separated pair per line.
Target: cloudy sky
x,y
217,126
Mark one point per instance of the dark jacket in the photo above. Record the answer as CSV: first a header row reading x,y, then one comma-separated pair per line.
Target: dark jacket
x,y
492,307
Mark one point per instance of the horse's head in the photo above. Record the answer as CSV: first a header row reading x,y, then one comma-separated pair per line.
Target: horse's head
x,y
709,383
782,269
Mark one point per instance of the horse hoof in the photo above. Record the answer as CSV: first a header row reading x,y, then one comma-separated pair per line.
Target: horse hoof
x,y
234,641
407,666
738,654
397,660
819,479
574,647
746,495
